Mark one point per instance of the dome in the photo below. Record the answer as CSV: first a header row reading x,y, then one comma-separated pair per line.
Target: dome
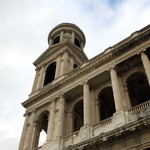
x,y
69,30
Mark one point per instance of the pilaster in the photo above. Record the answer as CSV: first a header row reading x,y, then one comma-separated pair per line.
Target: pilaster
x,y
40,78
28,139
23,135
60,121
50,129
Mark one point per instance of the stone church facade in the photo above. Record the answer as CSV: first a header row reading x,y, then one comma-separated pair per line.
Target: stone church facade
x,y
101,103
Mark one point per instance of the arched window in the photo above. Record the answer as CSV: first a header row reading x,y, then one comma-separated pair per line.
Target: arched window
x,y
77,42
78,115
56,40
138,88
50,73
107,105
41,129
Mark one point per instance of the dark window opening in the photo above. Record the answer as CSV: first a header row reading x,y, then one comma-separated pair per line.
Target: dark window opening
x,y
107,105
138,87
50,73
56,40
76,42
78,114
75,66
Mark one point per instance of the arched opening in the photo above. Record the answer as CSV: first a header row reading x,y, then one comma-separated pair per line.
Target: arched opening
x,y
78,115
56,40
50,73
138,88
107,105
77,42
41,129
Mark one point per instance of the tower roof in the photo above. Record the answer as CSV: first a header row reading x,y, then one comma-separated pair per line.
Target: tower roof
x,y
66,26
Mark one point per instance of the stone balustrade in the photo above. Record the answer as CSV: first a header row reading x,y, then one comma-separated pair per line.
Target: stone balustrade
x,y
139,107
102,123
139,111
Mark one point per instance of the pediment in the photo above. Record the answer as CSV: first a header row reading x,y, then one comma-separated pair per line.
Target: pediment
x,y
59,48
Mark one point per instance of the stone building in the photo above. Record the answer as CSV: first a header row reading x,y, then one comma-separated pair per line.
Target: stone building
x,y
101,103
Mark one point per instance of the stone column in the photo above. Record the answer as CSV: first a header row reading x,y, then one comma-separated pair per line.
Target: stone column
x,y
128,102
60,120
65,63
27,143
71,63
73,37
40,78
116,89
58,64
23,135
82,45
97,110
146,65
86,103
50,42
71,121
50,129
61,36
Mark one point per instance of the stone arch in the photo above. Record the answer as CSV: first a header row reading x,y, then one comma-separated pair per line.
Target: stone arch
x,y
106,103
56,40
41,125
50,73
77,42
104,85
130,72
78,115
138,88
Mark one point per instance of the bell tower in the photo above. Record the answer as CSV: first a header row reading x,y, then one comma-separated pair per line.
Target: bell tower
x,y
45,108
65,52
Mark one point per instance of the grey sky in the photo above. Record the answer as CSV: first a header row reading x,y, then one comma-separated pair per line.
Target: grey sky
x,y
24,27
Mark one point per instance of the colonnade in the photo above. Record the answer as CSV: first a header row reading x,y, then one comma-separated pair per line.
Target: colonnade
x,y
27,138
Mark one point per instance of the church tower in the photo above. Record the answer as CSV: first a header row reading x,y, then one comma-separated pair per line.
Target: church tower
x,y
46,103
97,104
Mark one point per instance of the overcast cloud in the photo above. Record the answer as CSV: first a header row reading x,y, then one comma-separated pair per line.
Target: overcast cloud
x,y
24,28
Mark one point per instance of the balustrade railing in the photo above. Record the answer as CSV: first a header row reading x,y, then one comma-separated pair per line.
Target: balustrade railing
x,y
104,122
139,107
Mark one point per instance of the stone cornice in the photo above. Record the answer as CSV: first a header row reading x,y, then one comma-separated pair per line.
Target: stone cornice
x,y
112,135
92,64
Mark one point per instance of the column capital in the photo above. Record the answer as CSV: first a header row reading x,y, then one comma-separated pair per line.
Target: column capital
x,y
125,87
36,123
97,102
142,53
111,67
34,110
71,114
27,113
84,81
